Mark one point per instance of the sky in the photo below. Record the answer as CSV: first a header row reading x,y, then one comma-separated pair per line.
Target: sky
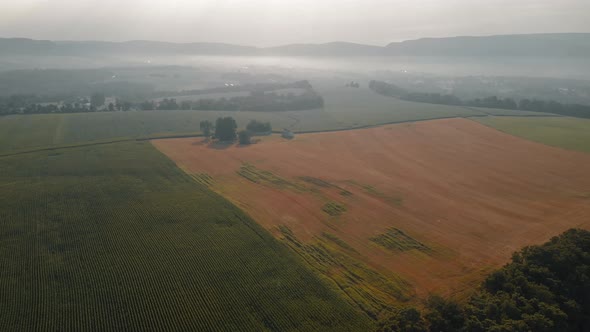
x,y
277,22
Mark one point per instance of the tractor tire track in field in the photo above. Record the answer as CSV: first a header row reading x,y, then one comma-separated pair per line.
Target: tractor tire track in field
x,y
471,194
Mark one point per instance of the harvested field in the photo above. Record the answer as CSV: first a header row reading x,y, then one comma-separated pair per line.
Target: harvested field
x,y
429,207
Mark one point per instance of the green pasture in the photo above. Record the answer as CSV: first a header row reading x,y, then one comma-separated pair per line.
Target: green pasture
x,y
564,132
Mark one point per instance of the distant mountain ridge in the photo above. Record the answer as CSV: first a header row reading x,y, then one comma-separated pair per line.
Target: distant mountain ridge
x,y
552,44
327,49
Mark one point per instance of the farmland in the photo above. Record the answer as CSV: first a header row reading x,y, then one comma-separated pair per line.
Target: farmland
x,y
50,130
394,213
116,238
99,230
345,108
365,107
564,132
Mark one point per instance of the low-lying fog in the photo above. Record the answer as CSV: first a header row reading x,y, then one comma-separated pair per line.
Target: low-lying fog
x,y
554,67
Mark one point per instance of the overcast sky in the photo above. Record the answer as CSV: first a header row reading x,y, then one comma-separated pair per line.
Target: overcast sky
x,y
274,22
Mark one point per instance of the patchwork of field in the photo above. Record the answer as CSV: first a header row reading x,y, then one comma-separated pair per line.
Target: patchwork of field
x,y
393,213
345,108
117,238
564,132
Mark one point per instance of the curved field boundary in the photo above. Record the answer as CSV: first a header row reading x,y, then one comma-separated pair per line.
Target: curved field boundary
x,y
410,121
81,145
563,132
300,132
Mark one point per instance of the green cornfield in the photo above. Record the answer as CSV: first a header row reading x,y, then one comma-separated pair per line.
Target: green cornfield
x,y
117,238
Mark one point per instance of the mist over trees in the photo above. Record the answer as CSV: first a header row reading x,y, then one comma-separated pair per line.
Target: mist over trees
x,y
391,90
299,96
259,127
255,102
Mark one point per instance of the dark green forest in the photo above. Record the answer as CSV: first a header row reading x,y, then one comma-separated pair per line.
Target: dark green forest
x,y
544,288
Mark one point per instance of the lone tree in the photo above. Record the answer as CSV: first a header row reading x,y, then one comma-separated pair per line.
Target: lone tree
x,y
244,137
225,129
206,127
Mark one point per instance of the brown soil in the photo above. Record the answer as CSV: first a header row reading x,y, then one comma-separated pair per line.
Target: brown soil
x,y
471,194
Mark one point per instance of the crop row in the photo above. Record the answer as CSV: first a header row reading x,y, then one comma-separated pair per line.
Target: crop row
x,y
93,239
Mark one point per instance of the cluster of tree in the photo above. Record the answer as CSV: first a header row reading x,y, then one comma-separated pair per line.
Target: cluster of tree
x,y
386,89
493,102
19,103
6,108
253,128
352,84
575,110
256,101
128,100
259,127
225,130
432,98
544,288
33,104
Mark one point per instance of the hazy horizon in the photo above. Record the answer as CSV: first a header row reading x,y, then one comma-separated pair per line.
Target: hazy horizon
x,y
265,23
283,44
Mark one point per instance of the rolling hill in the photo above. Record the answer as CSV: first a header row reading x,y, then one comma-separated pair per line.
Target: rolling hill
x,y
551,44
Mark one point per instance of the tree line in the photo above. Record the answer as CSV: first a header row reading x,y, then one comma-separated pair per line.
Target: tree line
x,y
543,106
258,100
33,104
255,102
544,288
237,88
